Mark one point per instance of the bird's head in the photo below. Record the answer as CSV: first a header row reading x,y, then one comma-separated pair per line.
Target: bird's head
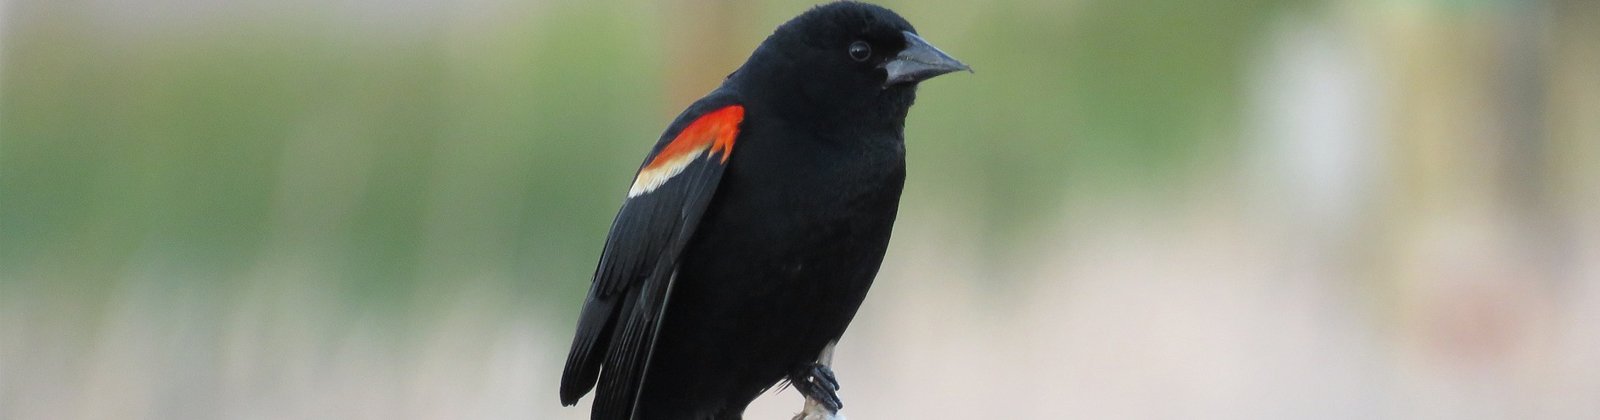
x,y
848,57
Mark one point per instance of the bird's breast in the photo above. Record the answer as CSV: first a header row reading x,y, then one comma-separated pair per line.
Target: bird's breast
x,y
803,211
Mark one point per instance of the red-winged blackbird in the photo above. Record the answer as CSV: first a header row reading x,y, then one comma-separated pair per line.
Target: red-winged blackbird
x,y
755,226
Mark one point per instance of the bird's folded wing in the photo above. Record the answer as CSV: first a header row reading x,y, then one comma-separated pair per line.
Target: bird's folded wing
x,y
632,283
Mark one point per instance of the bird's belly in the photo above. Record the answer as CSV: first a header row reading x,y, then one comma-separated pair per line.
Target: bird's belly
x,y
778,265
794,255
795,287
757,296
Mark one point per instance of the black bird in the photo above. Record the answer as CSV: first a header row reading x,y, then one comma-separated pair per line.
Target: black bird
x,y
756,225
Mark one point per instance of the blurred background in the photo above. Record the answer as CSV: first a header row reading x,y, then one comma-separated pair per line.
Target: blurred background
x,y
1136,209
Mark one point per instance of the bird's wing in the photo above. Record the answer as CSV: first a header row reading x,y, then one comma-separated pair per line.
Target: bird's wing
x,y
617,328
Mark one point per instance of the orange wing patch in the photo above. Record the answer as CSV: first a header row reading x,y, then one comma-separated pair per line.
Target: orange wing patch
x,y
714,131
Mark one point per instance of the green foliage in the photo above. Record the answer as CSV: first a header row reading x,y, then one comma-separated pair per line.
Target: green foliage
x,y
498,150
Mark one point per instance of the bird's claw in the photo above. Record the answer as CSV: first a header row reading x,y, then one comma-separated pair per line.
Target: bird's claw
x,y
817,383
822,373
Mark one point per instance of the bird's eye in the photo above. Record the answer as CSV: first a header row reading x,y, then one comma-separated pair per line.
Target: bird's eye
x,y
860,51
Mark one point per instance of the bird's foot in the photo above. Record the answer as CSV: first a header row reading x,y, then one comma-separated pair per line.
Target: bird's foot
x,y
816,382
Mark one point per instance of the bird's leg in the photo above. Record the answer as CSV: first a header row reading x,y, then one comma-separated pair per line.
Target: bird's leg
x,y
816,382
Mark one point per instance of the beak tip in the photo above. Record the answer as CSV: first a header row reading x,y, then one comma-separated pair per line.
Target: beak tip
x,y
920,61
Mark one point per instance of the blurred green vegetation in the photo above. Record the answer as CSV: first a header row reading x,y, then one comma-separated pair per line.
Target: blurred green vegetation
x,y
497,148
378,209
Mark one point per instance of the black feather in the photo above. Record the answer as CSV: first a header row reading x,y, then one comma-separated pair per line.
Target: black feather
x,y
618,323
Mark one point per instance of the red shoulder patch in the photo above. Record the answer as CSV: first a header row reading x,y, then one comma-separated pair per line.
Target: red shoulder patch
x,y
714,132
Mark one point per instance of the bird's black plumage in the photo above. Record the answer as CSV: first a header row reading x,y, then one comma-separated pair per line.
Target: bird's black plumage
x,y
757,223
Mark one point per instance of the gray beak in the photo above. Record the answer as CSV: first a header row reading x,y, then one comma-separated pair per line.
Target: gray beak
x,y
919,61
